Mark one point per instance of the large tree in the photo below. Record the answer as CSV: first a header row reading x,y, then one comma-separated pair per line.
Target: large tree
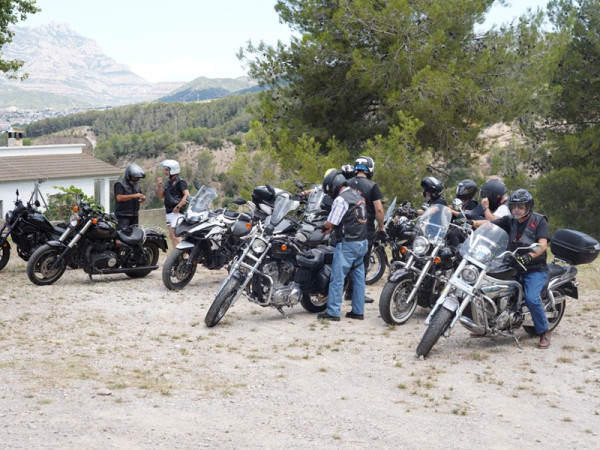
x,y
354,64
11,11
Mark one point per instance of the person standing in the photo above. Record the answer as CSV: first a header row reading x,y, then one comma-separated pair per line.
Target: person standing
x,y
128,196
364,169
175,195
348,219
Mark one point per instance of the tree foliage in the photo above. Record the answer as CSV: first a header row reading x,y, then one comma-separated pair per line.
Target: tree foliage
x,y
11,11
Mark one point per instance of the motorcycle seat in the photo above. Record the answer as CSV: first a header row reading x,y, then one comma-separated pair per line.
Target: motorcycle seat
x,y
312,258
131,235
328,252
231,214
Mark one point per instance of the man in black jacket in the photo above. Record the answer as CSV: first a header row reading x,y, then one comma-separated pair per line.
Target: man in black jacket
x,y
128,196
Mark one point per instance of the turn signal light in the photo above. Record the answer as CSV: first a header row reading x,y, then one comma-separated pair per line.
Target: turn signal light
x,y
75,208
283,248
248,225
94,221
403,249
437,260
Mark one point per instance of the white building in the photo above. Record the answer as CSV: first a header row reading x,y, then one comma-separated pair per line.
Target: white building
x,y
49,167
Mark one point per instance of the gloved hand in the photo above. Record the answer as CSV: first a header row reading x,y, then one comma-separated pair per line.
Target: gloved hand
x,y
525,259
381,236
462,220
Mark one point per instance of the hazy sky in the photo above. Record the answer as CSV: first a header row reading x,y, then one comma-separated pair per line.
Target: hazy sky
x,y
179,40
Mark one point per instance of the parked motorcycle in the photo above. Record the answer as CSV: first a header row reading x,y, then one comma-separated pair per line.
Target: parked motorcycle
x,y
274,268
28,228
484,295
419,280
94,244
210,238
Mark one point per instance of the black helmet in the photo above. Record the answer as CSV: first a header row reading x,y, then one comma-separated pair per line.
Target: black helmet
x,y
466,189
433,186
348,171
520,197
366,164
493,190
333,181
134,170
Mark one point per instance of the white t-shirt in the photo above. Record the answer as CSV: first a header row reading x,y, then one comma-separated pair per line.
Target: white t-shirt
x,y
502,210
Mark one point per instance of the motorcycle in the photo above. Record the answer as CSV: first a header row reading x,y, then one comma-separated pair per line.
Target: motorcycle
x,y
484,296
281,266
419,280
28,228
92,243
210,238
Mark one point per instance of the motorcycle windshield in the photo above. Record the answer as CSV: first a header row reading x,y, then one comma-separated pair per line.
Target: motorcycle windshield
x,y
390,211
200,204
283,205
313,203
485,244
434,223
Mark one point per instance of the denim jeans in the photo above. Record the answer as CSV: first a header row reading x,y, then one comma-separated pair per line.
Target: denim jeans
x,y
347,258
533,282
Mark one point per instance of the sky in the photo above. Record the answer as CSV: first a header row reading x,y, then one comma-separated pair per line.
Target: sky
x,y
180,40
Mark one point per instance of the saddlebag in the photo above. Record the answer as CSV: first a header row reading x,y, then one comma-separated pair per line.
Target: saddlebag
x,y
574,247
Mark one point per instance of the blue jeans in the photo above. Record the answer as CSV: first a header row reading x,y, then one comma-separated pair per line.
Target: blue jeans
x,y
347,258
533,282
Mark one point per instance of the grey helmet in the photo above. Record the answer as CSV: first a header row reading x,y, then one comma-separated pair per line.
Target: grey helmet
x,y
520,197
366,165
466,190
172,165
134,170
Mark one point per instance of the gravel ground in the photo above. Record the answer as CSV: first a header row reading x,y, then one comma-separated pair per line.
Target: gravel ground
x,y
120,363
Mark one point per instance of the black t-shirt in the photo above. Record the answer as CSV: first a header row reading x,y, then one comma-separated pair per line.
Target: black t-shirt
x,y
371,193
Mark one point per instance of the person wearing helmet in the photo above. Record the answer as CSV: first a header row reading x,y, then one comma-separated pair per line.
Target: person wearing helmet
x,y
364,169
525,227
493,199
348,171
348,220
128,196
175,195
432,191
469,209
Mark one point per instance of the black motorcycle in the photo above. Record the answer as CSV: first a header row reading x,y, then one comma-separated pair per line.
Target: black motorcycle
x,y
28,228
93,243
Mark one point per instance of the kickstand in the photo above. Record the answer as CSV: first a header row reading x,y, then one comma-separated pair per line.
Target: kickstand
x,y
285,315
517,341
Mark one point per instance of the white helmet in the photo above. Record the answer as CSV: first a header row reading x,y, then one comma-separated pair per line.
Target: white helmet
x,y
172,165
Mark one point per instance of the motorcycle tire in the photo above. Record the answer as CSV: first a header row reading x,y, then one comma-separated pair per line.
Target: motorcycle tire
x,y
553,317
439,323
313,304
377,265
37,266
176,274
4,255
392,303
222,302
150,259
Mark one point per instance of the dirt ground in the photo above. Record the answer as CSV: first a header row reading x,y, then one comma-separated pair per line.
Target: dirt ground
x,y
120,363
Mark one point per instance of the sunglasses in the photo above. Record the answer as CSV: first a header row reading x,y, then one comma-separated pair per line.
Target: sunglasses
x,y
518,206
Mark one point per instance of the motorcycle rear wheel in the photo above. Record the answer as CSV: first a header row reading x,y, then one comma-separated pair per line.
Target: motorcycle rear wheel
x,y
313,304
38,270
439,323
150,259
392,303
553,317
222,302
4,255
377,265
176,274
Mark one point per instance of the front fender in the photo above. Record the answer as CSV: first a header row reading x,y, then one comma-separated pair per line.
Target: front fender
x,y
451,303
56,244
401,274
184,245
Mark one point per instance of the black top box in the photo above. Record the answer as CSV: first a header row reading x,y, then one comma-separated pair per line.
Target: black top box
x,y
574,247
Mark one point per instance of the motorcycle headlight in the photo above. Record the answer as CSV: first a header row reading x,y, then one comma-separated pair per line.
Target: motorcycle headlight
x,y
9,217
469,274
73,220
259,246
420,246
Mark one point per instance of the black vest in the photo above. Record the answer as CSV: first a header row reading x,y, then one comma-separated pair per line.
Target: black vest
x,y
365,186
172,194
528,238
130,207
353,226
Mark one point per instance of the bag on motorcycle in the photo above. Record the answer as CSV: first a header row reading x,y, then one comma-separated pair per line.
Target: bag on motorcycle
x,y
574,247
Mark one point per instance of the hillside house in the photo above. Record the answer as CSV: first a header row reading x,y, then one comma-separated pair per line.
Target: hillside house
x,y
47,166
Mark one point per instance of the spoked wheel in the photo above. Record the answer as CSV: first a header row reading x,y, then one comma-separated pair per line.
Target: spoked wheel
x,y
40,269
314,304
4,255
176,272
554,316
439,323
222,302
393,307
150,259
377,265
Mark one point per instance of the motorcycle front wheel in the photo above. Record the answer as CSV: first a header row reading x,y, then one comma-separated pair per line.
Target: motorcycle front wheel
x,y
393,307
313,304
553,317
4,255
377,265
176,273
38,266
150,259
222,302
439,323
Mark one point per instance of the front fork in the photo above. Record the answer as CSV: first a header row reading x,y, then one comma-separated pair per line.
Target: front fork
x,y
71,244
